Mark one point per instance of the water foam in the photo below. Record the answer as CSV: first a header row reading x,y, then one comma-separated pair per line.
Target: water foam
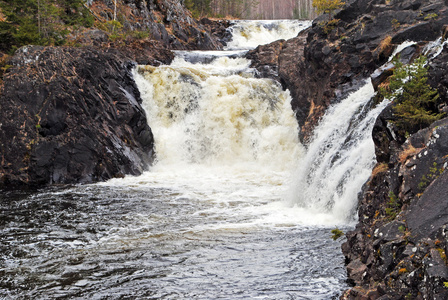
x,y
339,158
218,114
248,34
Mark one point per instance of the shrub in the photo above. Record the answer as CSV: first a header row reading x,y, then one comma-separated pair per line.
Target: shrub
x,y
337,233
393,206
327,6
416,100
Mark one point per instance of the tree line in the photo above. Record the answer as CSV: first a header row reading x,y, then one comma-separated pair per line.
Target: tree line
x,y
252,9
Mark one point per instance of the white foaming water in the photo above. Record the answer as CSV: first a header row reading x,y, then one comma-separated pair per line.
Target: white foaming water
x,y
223,136
248,34
340,157
228,138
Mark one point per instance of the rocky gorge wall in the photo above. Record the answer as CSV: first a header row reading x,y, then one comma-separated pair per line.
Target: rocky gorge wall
x,y
71,115
328,60
398,248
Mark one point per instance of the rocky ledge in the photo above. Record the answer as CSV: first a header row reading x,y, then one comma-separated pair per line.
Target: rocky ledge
x,y
70,115
399,247
330,59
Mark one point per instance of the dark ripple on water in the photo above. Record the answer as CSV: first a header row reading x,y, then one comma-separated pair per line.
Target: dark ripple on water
x,y
105,243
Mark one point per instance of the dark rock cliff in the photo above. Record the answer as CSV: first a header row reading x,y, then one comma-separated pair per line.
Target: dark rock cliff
x,y
398,249
70,115
329,59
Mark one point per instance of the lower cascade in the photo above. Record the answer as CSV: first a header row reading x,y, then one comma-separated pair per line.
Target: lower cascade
x,y
234,206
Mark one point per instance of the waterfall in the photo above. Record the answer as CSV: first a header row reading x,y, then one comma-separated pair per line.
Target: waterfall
x,y
218,114
212,118
248,34
339,158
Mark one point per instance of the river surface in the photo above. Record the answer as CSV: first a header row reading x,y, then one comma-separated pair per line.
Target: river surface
x,y
233,208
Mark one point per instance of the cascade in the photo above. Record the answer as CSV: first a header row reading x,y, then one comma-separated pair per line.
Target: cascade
x,y
248,34
208,109
339,158
218,114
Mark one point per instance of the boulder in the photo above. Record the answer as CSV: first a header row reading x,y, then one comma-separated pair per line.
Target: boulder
x,y
428,213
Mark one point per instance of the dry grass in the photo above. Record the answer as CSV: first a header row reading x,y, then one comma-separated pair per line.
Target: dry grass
x,y
407,152
385,43
379,168
385,47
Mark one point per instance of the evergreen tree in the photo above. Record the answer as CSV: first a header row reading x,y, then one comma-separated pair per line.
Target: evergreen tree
x,y
416,100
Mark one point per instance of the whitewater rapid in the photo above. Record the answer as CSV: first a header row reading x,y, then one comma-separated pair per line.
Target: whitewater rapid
x,y
222,213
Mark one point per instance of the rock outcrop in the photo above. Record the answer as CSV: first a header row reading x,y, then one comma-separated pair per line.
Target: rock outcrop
x,y
70,115
330,59
74,115
398,249
167,22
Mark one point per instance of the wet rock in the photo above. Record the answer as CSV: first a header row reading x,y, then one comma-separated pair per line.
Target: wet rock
x,y
265,59
421,32
356,270
71,115
428,213
409,245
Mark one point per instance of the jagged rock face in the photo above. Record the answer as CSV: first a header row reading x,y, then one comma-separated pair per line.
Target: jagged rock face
x,y
70,115
265,58
401,240
167,21
336,57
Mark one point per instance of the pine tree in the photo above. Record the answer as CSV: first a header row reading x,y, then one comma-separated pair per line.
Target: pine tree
x,y
39,22
416,100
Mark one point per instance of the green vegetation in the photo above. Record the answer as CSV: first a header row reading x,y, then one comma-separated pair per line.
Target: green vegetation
x,y
327,6
393,206
337,233
416,100
328,26
395,24
431,17
199,8
40,22
434,173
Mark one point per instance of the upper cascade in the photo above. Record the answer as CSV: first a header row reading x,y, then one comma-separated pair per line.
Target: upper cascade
x,y
248,34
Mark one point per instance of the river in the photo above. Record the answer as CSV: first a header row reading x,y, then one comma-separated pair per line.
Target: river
x,y
234,206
